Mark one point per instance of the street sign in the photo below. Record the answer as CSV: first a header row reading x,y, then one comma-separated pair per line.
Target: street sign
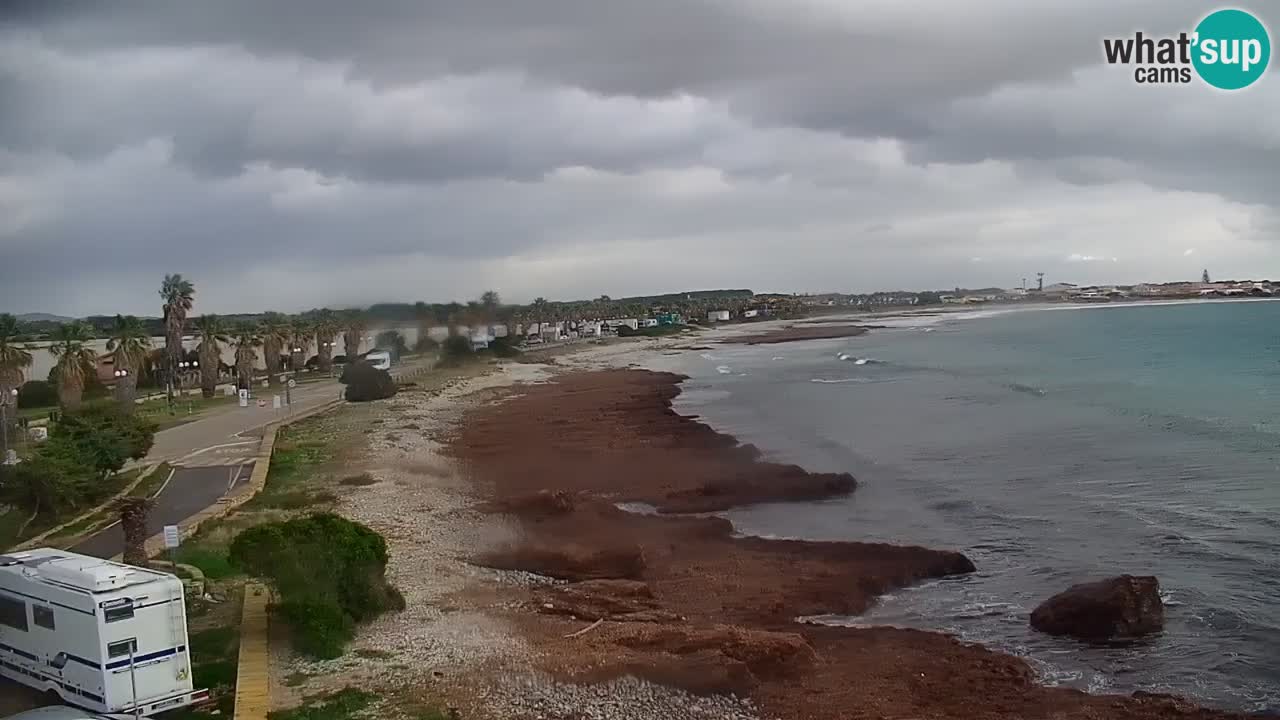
x,y
293,383
275,402
244,397
171,537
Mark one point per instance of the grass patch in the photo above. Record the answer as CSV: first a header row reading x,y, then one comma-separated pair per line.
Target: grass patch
x,y
371,654
361,480
342,705
297,500
212,561
220,673
12,520
153,482
215,642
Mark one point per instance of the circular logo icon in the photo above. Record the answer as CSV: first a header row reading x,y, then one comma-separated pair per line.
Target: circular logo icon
x,y
1232,49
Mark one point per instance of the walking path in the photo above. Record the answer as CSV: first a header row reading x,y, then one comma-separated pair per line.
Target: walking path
x,y
253,689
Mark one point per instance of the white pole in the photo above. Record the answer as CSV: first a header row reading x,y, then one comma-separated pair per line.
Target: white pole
x,y
133,679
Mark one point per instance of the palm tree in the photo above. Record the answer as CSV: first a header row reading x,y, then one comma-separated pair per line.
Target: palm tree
x,y
276,332
303,337
212,332
14,358
353,327
423,318
178,295
134,513
245,338
76,362
128,346
324,322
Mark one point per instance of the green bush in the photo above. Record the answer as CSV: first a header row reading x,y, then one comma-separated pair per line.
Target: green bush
x,y
37,393
503,347
457,347
365,382
330,573
102,438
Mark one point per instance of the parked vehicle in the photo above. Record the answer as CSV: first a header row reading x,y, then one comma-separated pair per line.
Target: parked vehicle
x,y
57,712
102,635
380,359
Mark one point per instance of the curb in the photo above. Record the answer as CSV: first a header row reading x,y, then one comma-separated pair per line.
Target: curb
x,y
257,480
253,683
32,542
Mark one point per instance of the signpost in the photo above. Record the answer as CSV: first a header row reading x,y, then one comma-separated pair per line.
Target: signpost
x,y
172,538
244,397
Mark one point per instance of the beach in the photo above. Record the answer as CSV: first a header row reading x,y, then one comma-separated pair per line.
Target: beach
x,y
559,532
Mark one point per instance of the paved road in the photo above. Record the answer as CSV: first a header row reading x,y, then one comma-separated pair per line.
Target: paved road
x,y
223,426
188,491
212,455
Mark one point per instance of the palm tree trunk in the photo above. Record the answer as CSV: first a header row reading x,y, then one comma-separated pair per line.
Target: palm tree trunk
x,y
69,394
173,353
126,391
209,363
271,357
134,514
351,345
10,417
324,352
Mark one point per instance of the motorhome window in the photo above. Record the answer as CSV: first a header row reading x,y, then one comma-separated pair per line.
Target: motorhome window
x,y
122,648
43,616
13,613
123,612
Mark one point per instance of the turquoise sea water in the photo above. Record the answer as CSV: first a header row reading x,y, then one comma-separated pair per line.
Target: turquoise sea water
x,y
1053,447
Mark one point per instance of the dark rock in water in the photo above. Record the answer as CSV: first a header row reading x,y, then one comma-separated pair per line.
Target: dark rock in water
x,y
1121,607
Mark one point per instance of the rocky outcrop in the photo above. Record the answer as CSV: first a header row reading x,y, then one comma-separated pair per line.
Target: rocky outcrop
x,y
569,562
615,600
759,483
1121,607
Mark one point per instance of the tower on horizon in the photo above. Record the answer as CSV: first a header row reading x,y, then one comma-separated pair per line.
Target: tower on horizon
x,y
1204,276
1040,281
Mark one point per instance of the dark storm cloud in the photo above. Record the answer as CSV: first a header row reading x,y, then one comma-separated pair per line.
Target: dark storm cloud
x,y
555,144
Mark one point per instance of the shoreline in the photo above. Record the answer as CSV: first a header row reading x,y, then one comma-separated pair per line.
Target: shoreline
x,y
685,602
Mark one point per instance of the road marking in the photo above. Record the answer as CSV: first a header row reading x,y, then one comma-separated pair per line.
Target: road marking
x,y
215,447
164,485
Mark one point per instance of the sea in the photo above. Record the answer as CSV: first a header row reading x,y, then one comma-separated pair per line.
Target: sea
x,y
1052,446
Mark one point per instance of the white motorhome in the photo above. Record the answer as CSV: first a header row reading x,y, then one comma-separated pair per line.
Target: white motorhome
x,y
102,635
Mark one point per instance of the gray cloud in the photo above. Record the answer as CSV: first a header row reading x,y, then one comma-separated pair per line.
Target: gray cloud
x,y
293,154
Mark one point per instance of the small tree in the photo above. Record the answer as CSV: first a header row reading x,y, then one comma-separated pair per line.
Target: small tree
x,y
46,484
456,350
393,342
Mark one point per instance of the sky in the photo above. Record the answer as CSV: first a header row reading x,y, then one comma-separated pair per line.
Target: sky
x,y
301,153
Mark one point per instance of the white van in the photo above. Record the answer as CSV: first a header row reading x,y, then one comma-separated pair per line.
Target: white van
x,y
380,359
104,636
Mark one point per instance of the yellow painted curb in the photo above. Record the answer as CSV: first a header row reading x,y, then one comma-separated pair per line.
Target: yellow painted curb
x,y
253,682
257,480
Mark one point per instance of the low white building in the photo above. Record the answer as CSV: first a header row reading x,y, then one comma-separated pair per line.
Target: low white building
x,y
751,313
718,315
